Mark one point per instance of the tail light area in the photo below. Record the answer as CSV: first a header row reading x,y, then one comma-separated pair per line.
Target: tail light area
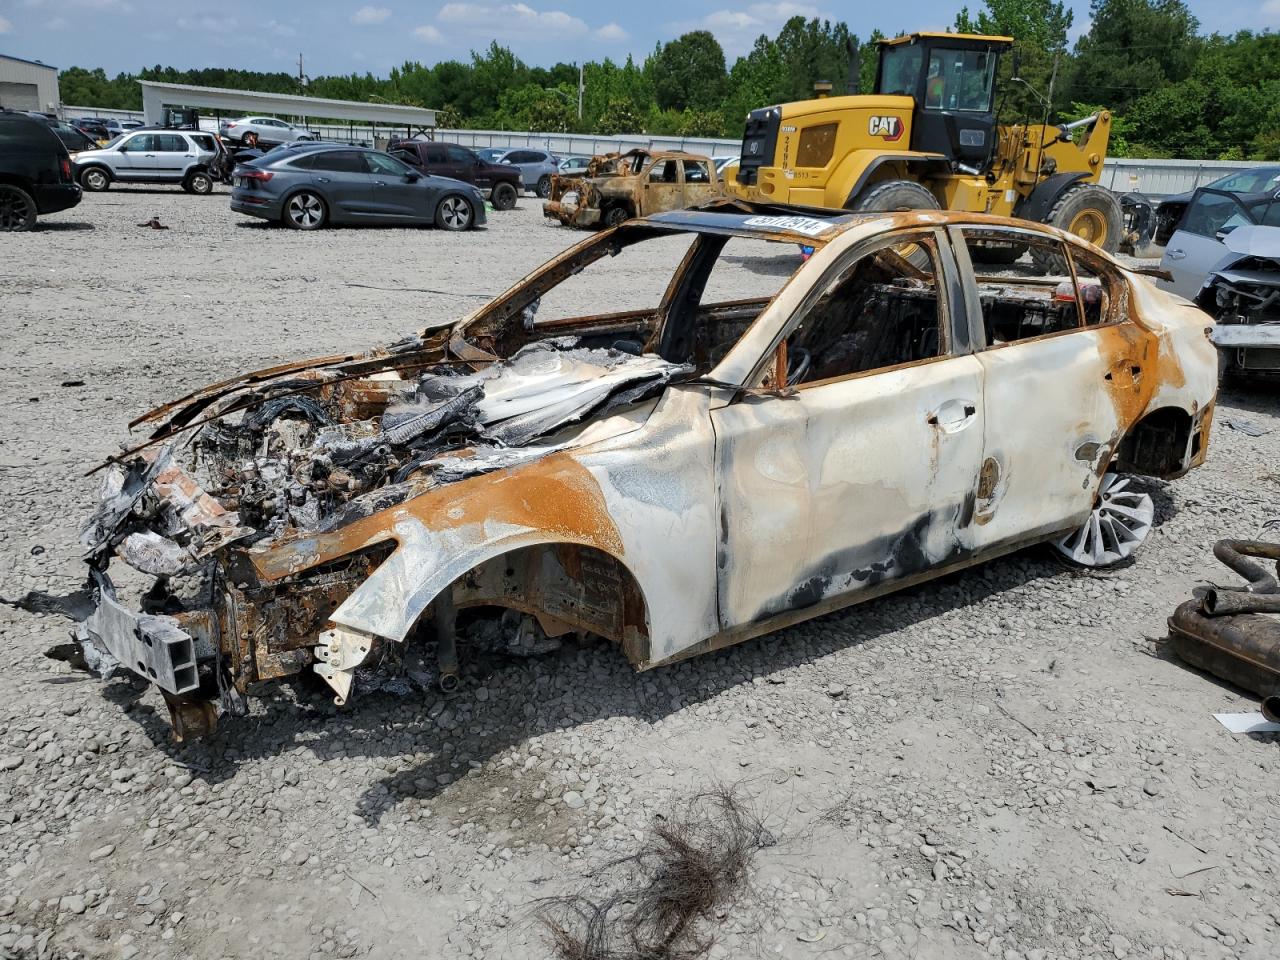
x,y
64,167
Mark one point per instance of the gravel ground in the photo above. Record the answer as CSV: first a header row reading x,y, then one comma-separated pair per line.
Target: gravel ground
x,y
1001,763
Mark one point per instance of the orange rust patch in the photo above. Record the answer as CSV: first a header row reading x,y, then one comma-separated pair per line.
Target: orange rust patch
x,y
1132,359
556,495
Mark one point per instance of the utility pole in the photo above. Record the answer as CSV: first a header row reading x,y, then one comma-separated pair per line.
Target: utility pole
x,y
302,82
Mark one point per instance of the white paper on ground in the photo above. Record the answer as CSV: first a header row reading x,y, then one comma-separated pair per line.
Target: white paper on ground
x,y
1247,723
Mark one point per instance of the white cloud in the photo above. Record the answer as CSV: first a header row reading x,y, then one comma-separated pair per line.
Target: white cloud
x,y
511,20
5,25
737,29
1271,9
611,32
428,33
366,16
58,23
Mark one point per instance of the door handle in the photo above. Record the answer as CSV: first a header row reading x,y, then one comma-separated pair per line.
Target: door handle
x,y
953,415
1177,254
322,179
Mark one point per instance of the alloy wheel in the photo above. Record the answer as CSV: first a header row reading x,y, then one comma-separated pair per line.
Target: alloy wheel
x,y
305,210
15,210
455,212
1118,524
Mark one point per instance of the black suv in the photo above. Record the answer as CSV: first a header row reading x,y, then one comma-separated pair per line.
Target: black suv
x,y
498,182
35,172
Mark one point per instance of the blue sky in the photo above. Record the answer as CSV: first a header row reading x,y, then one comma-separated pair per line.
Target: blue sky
x,y
341,37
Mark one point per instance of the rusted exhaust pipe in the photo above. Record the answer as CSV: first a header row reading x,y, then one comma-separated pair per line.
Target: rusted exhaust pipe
x,y
446,617
1223,603
1236,553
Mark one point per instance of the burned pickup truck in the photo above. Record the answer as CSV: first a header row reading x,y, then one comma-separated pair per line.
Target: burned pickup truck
x,y
672,479
618,186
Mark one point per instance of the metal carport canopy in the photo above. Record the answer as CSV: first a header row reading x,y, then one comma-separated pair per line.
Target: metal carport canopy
x,y
156,95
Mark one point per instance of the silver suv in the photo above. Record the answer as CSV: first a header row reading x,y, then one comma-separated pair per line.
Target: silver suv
x,y
150,156
537,167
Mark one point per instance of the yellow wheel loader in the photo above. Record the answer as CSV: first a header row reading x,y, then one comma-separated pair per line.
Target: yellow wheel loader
x,y
928,138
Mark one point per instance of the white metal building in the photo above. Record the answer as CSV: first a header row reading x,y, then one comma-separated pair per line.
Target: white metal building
x,y
157,96
28,85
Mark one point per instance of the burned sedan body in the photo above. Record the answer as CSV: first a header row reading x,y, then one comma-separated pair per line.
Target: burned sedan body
x,y
672,479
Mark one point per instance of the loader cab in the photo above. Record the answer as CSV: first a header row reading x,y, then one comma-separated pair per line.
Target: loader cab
x,y
951,76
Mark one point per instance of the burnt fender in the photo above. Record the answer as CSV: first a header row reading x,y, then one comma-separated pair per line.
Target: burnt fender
x,y
1041,200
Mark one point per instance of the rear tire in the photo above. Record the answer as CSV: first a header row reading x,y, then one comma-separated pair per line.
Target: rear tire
x,y
454,213
1090,212
543,189
305,211
95,179
17,209
896,195
503,196
616,215
199,182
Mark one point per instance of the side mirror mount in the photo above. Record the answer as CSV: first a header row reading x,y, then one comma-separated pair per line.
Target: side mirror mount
x,y
412,177
1017,64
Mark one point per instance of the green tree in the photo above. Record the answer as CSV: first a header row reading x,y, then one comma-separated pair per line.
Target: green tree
x,y
1039,30
1133,47
688,72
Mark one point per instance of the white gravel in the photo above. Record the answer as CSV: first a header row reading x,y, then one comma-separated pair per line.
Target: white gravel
x,y
1001,763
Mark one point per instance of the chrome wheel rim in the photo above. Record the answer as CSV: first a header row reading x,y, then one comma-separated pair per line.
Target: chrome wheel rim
x,y
455,212
1118,524
201,184
305,210
96,179
13,211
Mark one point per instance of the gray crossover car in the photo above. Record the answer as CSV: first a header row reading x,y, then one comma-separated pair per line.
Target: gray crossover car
x,y
306,187
150,156
537,167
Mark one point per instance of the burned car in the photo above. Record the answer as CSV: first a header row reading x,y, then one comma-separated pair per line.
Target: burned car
x,y
671,479
618,186
1225,255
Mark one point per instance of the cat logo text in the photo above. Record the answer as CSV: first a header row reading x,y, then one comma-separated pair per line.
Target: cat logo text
x,y
888,128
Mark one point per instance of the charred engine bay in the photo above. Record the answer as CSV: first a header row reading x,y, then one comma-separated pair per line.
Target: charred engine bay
x,y
309,452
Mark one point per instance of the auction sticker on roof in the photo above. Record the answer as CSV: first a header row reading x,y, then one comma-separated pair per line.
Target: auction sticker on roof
x,y
806,225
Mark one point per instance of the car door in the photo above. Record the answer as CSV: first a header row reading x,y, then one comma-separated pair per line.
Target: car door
x,y
1195,247
861,467
1052,389
699,182
663,187
171,156
343,179
459,163
398,191
135,157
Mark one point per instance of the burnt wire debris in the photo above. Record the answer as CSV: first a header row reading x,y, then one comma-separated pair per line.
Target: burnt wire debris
x,y
661,902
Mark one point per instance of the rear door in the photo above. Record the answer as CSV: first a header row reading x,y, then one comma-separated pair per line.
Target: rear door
x,y
343,179
1057,390
699,181
173,154
1194,248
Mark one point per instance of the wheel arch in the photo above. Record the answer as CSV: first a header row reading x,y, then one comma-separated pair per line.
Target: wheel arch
x,y
82,169
889,166
1164,443
1046,193
567,582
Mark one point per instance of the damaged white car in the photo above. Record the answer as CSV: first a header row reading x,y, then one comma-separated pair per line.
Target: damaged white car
x,y
673,479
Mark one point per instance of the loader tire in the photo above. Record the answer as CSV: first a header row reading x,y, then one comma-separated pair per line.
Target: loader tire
x,y
1090,212
896,195
900,195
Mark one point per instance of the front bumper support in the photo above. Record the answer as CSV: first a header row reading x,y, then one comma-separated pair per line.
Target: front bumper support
x,y
153,646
